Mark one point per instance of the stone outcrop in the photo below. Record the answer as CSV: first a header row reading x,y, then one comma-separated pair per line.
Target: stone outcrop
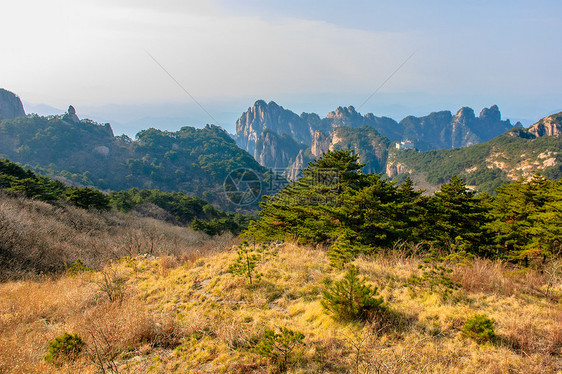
x,y
276,151
262,116
71,116
548,126
10,105
320,143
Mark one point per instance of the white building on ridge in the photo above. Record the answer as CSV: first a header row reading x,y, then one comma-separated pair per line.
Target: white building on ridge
x,y
405,144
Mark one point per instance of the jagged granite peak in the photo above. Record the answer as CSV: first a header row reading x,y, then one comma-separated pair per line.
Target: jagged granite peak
x,y
276,151
271,116
459,133
548,126
435,131
10,105
491,114
345,116
465,113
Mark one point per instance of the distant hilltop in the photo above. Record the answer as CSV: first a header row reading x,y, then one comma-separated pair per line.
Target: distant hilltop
x,y
10,105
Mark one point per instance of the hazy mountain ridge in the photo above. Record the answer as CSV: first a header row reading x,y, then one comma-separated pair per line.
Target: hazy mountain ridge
x,y
82,152
471,146
435,131
10,105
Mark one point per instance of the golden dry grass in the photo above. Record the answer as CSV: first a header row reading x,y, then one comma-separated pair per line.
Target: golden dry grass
x,y
190,315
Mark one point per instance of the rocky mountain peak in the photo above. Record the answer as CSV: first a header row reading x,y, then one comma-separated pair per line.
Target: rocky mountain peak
x,y
345,116
464,113
548,126
262,117
10,105
71,115
491,114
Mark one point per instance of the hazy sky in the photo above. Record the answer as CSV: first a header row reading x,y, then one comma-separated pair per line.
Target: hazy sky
x,y
306,55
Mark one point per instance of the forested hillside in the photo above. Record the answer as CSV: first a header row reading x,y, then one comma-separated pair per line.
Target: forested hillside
x,y
511,156
43,222
82,152
333,203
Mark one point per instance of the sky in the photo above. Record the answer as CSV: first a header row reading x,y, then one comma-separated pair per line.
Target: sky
x,y
141,63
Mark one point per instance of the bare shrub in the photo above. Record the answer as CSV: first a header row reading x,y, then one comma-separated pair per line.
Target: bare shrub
x,y
151,210
111,330
494,276
553,277
40,238
112,283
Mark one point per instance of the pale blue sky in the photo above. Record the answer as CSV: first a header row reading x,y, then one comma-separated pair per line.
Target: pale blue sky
x,y
305,55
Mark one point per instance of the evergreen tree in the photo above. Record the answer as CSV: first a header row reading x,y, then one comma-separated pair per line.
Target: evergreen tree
x,y
526,219
303,209
351,298
371,212
455,219
87,197
410,210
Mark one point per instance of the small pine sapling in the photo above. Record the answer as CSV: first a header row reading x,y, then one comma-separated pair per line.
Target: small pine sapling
x,y
279,347
63,348
352,298
480,328
246,262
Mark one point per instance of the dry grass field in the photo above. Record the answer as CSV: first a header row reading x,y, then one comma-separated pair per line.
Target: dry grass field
x,y
187,314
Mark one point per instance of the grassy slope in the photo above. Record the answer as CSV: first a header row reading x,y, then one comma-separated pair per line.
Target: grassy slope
x,y
190,315
37,237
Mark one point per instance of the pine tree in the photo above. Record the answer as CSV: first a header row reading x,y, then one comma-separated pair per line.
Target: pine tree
x,y
351,298
410,210
87,197
302,210
526,219
456,218
245,263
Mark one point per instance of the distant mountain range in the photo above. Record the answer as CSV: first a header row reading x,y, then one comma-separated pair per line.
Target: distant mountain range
x,y
281,139
86,153
483,149
275,135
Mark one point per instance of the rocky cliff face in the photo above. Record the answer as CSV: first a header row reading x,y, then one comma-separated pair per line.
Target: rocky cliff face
x,y
320,143
548,126
279,138
442,130
10,105
276,151
262,116
293,171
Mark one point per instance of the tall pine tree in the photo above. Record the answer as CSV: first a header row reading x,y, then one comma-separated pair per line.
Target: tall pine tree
x,y
455,219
